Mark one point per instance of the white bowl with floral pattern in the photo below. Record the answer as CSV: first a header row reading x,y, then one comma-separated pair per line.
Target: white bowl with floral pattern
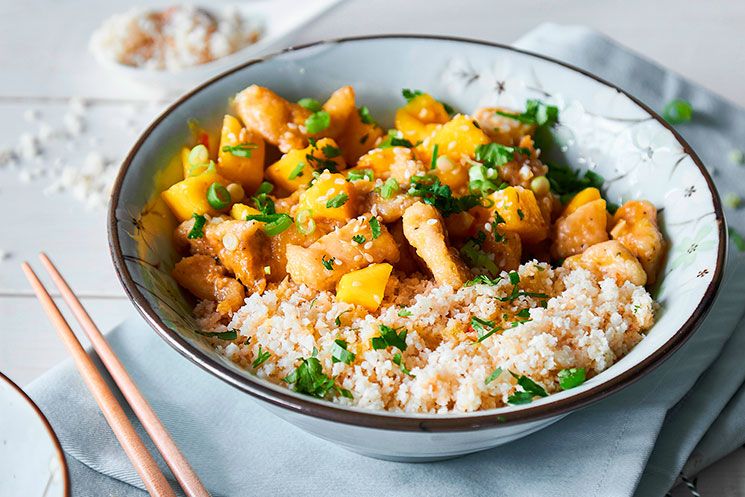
x,y
601,128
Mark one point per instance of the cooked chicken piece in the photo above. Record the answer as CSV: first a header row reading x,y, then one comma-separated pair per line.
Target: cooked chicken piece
x,y
185,245
279,243
285,205
525,168
502,129
635,225
322,264
389,209
273,117
424,228
405,166
340,106
243,248
408,261
207,280
579,230
610,260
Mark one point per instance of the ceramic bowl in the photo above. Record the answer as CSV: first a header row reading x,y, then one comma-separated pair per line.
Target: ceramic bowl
x,y
601,128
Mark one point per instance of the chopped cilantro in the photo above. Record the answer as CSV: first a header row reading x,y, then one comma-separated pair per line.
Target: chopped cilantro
x,y
309,378
374,227
520,214
440,196
570,378
264,188
337,320
389,337
495,155
261,358
339,353
328,263
524,313
395,139
530,389
409,95
337,201
359,239
197,231
317,122
398,361
240,150
224,335
536,112
475,257
331,151
483,328
484,180
566,182
483,279
404,312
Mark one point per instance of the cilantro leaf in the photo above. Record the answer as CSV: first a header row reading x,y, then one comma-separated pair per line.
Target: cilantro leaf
x,y
570,378
261,358
495,374
240,150
389,337
339,353
197,231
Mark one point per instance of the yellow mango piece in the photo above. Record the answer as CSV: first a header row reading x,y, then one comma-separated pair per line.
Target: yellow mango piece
x,y
189,196
419,117
358,138
365,286
584,197
454,139
288,175
248,171
240,211
519,209
330,188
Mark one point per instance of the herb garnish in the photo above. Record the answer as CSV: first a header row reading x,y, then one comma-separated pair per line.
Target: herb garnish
x,y
495,374
530,389
516,292
484,180
337,320
337,201
409,95
404,312
261,358
566,182
275,223
435,150
398,361
389,188
495,155
224,335
309,378
331,151
365,115
240,150
390,338
678,111
339,353
197,231
483,328
434,193
359,174
483,279
570,378
218,196
311,104
394,139
359,239
317,122
374,227
328,263
298,171
536,112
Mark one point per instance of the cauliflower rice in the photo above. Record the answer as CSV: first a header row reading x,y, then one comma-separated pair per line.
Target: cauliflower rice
x,y
586,323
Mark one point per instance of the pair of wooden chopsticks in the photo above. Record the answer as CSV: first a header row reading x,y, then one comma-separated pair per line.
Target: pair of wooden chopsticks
x,y
143,461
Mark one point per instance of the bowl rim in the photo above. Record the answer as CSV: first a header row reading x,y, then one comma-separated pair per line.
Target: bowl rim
x,y
394,421
48,427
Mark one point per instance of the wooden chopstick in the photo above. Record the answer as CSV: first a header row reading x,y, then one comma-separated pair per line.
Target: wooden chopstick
x,y
143,462
176,461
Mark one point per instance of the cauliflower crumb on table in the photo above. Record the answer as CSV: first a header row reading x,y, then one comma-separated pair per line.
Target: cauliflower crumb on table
x,y
441,266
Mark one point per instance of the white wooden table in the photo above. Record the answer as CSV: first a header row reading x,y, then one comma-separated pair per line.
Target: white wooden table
x,y
44,64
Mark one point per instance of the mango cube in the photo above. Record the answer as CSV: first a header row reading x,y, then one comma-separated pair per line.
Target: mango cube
x,y
330,197
419,117
364,287
240,157
240,211
358,138
189,196
454,139
520,213
583,197
296,167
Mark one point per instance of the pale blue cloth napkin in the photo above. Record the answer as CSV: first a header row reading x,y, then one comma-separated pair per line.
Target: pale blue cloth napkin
x,y
633,443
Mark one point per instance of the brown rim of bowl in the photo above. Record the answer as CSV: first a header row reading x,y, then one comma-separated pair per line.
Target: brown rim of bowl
x,y
50,431
392,421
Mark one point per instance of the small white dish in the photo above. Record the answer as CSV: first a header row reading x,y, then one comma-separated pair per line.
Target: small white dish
x,y
31,459
277,21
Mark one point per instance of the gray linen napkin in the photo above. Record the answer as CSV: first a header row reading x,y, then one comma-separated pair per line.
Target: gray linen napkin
x,y
634,442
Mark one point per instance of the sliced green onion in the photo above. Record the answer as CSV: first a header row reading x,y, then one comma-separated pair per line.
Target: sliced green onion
x,y
277,226
218,196
304,222
240,150
311,104
199,155
374,227
389,188
337,201
570,378
197,231
298,171
317,122
435,150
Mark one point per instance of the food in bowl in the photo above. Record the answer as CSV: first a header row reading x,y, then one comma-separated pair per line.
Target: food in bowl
x,y
440,266
172,38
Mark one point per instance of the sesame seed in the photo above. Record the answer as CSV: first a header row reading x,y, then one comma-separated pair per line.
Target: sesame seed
x,y
367,246
230,242
368,258
432,221
338,262
340,181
